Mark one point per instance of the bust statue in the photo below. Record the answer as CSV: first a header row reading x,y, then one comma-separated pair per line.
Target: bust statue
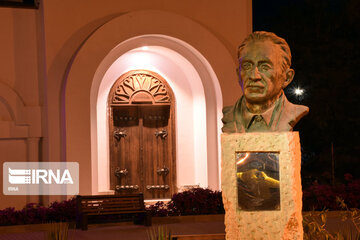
x,y
264,70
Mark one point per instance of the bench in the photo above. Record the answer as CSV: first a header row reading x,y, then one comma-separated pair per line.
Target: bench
x,y
99,205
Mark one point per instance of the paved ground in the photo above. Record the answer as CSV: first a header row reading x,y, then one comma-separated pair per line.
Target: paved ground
x,y
186,225
128,231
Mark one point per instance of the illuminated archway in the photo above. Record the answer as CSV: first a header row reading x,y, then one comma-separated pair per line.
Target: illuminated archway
x,y
199,66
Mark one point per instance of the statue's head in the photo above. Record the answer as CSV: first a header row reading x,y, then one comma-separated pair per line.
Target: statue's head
x,y
264,65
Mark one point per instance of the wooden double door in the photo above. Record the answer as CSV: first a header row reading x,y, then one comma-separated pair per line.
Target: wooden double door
x,y
142,157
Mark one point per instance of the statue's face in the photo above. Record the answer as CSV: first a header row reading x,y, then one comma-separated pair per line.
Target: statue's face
x,y
261,72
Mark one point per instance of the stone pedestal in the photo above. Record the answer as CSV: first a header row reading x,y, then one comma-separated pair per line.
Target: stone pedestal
x,y
284,219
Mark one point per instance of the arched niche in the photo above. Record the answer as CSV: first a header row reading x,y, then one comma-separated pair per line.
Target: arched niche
x,y
21,121
209,59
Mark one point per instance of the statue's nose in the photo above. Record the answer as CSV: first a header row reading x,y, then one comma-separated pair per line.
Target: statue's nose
x,y
255,74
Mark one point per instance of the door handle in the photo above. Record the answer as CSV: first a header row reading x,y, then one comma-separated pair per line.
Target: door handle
x,y
165,171
119,134
161,133
121,172
126,187
157,187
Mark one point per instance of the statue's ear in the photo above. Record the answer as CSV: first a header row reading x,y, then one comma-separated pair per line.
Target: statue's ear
x,y
289,73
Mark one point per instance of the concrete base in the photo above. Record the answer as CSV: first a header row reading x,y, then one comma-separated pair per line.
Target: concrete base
x,y
285,223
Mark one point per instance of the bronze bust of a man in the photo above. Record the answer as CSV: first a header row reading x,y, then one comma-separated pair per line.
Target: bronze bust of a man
x,y
264,69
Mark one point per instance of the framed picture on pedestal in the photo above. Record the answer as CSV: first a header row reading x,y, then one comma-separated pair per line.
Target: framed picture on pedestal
x,y
257,179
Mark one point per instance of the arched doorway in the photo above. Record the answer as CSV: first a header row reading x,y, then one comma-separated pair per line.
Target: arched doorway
x,y
141,135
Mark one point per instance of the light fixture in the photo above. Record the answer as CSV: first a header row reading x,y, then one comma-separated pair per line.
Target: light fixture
x,y
298,91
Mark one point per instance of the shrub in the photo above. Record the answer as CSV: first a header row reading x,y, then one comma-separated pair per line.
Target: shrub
x,y
161,209
64,211
34,213
198,201
321,196
314,224
192,202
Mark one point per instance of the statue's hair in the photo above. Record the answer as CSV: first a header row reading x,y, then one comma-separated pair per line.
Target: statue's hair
x,y
262,36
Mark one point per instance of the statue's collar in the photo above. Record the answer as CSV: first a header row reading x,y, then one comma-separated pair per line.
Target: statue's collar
x,y
246,116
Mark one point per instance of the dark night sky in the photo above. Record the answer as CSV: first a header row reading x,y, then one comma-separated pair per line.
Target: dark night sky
x,y
324,37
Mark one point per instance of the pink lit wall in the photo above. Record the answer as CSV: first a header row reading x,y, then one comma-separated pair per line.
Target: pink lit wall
x,y
51,56
20,93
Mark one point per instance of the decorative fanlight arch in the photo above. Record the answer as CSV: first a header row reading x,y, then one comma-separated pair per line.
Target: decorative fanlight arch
x,y
140,87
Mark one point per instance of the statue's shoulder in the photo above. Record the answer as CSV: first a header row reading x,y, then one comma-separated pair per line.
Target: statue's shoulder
x,y
228,113
295,112
229,119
